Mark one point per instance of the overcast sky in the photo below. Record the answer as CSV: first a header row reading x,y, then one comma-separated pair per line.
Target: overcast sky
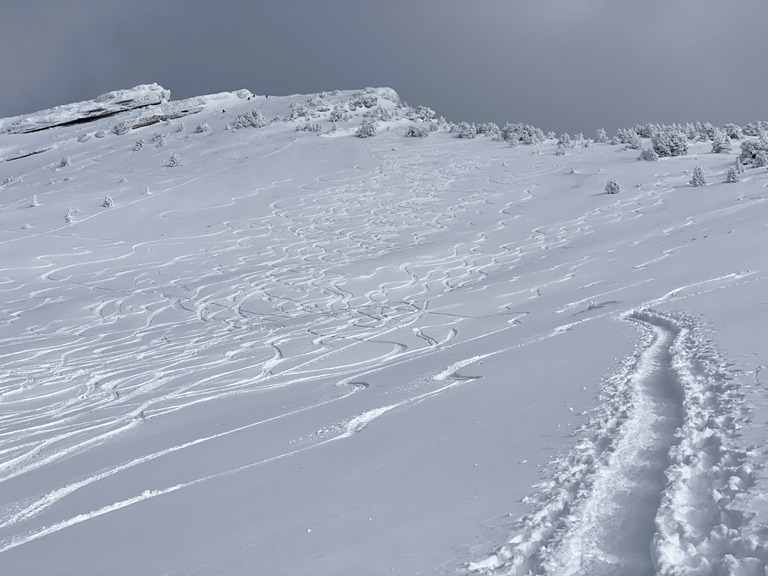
x,y
562,65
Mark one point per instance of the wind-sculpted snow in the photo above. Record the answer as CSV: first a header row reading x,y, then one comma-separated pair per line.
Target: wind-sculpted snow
x,y
292,352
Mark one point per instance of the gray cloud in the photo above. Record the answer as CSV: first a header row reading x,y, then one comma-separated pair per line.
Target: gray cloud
x,y
563,65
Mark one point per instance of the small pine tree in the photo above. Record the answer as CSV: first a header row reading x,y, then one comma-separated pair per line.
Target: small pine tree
x,y
648,154
66,161
698,177
139,145
108,202
560,150
733,176
174,160
601,135
35,202
367,130
68,216
721,144
612,187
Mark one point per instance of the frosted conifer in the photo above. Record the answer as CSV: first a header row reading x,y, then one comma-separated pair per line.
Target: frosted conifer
x,y
698,177
612,187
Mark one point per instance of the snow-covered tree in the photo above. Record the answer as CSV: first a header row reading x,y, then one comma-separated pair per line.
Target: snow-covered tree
x,y
418,130
490,129
560,150
732,176
733,131
698,177
139,145
66,161
601,135
521,134
612,187
256,119
202,127
754,153
108,202
35,202
648,154
721,144
367,129
466,130
174,160
670,142
564,140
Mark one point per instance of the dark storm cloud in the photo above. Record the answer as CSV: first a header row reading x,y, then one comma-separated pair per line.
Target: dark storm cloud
x,y
564,65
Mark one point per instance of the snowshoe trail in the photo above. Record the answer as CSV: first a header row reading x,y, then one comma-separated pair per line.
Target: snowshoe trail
x,y
652,486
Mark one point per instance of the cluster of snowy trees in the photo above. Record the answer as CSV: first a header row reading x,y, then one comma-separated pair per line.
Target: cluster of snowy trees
x,y
253,119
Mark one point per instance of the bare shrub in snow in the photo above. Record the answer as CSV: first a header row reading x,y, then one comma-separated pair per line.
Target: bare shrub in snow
x,y
698,177
670,142
612,187
367,129
732,176
108,202
308,127
174,160
648,154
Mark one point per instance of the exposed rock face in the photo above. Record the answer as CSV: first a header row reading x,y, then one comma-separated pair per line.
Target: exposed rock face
x,y
106,105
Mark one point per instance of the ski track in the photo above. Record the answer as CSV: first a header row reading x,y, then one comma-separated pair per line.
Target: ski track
x,y
651,487
260,304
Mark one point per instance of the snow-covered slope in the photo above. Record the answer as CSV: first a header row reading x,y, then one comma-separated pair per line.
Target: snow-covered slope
x,y
237,339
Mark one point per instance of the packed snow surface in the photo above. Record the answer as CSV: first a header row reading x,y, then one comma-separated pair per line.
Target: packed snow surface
x,y
237,339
